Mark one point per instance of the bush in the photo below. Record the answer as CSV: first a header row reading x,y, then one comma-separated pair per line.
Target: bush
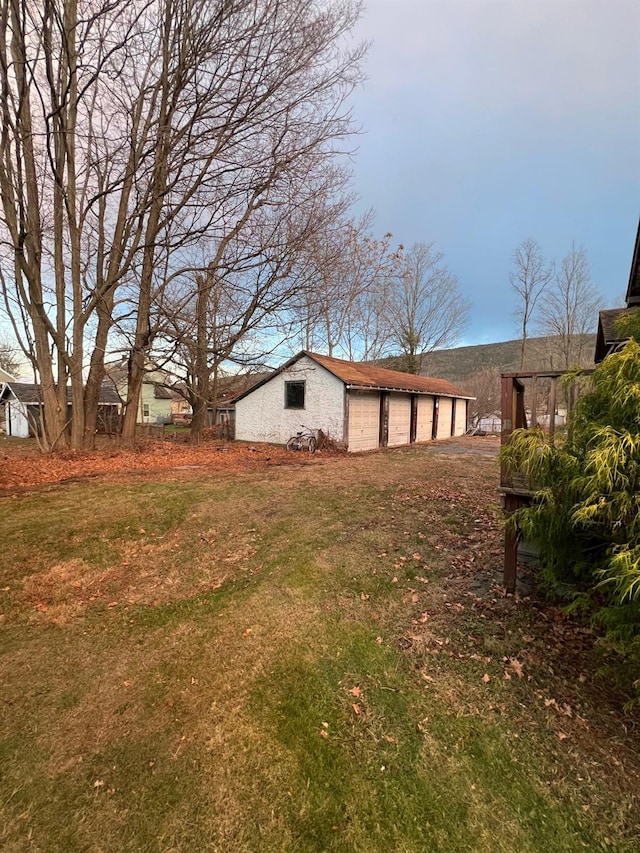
x,y
585,518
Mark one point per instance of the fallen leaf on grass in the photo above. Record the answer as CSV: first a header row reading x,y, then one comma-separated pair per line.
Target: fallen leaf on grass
x,y
324,733
389,739
364,596
248,632
355,691
486,678
562,735
357,709
99,783
516,666
414,597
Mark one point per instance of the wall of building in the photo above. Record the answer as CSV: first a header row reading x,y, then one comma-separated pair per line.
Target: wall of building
x,y
17,423
261,415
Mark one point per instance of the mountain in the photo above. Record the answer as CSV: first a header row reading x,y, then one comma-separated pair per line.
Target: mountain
x,y
459,364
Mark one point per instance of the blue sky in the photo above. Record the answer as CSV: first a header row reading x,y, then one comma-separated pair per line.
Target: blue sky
x,y
489,121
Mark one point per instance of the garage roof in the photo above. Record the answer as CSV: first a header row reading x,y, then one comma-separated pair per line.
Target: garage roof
x,y
365,376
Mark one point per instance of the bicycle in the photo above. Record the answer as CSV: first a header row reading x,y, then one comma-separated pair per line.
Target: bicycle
x,y
303,440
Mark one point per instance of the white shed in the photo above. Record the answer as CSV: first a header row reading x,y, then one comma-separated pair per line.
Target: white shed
x,y
360,406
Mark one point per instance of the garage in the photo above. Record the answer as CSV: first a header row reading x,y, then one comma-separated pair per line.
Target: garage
x,y
444,417
424,424
357,406
399,419
364,420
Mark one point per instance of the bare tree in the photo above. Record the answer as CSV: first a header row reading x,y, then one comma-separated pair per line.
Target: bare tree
x,y
569,310
9,358
132,129
426,310
484,384
343,310
530,276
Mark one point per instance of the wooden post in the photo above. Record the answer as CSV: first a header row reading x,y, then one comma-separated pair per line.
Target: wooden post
x,y
534,402
552,407
510,576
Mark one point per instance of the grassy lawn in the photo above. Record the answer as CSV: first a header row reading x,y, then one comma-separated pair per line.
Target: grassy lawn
x,y
314,659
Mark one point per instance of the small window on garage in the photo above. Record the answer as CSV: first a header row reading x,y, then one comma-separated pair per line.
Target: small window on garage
x,y
294,395
145,410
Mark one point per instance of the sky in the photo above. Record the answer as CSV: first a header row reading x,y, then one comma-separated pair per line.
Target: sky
x,y
486,122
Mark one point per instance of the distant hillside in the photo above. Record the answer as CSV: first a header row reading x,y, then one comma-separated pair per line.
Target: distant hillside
x,y
458,364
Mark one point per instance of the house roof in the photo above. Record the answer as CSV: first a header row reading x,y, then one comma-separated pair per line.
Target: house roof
x,y
633,288
608,336
365,376
27,392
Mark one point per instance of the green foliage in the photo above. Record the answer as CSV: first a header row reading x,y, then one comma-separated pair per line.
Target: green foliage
x,y
585,518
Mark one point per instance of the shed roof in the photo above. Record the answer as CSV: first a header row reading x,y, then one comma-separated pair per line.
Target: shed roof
x,y
29,393
358,375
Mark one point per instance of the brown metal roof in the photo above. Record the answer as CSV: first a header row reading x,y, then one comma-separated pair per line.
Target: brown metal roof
x,y
360,375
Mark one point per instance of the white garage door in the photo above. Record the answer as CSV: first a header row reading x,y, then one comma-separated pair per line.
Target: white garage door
x,y
461,417
425,419
399,419
444,418
364,420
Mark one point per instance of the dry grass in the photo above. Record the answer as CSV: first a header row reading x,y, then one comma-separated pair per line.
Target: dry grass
x,y
317,659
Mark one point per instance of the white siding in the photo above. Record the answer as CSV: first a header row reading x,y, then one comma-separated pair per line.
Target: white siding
x,y
17,421
261,415
444,418
461,417
399,419
364,420
425,419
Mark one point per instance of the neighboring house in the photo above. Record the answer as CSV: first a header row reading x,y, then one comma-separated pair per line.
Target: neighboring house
x,y
156,397
5,377
360,406
608,340
22,403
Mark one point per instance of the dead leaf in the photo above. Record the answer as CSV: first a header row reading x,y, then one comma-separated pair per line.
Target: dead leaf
x,y
379,640
562,735
324,733
99,783
364,596
414,597
357,709
248,632
417,556
486,678
516,666
389,739
355,691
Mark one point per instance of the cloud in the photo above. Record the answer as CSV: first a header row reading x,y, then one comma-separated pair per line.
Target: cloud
x,y
552,57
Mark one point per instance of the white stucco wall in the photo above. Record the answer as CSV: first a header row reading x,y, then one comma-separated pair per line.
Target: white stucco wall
x,y
261,415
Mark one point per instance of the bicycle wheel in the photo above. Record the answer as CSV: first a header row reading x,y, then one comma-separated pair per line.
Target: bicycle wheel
x,y
312,443
293,443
